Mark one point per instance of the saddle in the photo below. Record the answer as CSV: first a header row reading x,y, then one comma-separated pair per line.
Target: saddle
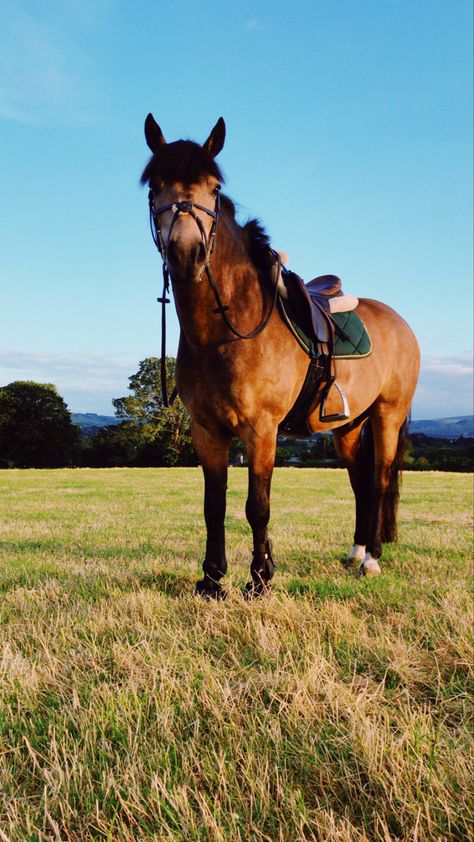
x,y
311,303
309,310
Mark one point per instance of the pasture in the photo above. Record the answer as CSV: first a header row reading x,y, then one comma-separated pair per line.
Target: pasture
x,y
334,709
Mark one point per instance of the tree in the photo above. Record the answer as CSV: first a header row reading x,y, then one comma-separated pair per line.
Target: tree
x,y
116,446
165,432
36,430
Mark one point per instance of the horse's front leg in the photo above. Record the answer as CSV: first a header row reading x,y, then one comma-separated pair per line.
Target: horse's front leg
x,y
213,452
261,458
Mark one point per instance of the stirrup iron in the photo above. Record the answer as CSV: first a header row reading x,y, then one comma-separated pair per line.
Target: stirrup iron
x,y
337,416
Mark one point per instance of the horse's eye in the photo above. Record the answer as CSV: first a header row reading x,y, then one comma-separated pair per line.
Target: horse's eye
x,y
216,189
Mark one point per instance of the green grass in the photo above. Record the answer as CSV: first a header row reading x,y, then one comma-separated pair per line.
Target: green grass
x,y
334,709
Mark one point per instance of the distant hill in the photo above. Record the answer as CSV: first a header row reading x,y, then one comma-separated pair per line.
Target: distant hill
x,y
90,422
441,428
445,428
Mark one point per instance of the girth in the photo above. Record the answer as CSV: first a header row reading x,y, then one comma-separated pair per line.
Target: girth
x,y
308,307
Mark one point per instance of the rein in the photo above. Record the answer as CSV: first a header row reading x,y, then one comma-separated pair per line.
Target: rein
x,y
209,243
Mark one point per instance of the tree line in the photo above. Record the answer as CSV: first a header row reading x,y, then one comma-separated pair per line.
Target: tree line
x,y
36,431
422,453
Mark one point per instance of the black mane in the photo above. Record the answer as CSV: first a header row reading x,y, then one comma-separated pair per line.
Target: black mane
x,y
187,162
258,246
183,161
254,236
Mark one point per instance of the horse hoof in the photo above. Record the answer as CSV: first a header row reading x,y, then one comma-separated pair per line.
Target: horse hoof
x,y
208,589
255,590
369,567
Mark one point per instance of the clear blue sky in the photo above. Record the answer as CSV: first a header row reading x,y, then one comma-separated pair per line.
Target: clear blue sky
x,y
349,133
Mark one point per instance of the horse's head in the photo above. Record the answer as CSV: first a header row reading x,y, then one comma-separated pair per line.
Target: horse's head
x,y
184,182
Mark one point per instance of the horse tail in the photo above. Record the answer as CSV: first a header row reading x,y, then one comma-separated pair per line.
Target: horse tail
x,y
392,493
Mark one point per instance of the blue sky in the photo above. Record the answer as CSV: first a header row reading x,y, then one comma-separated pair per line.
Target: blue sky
x,y
349,133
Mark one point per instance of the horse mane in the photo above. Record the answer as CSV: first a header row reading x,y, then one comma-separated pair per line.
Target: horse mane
x,y
187,162
184,161
258,246
254,237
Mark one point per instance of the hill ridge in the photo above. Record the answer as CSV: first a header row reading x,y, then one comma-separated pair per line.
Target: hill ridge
x,y
451,427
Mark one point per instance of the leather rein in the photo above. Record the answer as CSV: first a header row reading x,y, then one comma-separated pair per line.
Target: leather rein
x,y
209,242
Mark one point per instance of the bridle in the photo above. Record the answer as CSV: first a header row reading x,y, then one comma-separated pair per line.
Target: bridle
x,y
179,208
209,242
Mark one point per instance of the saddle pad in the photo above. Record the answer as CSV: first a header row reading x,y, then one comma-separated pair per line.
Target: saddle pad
x,y
355,341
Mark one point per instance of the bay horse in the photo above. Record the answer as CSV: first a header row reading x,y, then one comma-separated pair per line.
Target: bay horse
x,y
239,369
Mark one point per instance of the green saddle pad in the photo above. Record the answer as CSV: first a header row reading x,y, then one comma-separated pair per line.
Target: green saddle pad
x,y
358,342
353,345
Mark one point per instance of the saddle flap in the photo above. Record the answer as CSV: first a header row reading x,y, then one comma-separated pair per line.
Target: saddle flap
x,y
310,302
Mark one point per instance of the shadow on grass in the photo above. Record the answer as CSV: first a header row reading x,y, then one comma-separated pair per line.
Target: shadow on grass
x,y
96,586
31,546
84,552
10,581
324,589
166,582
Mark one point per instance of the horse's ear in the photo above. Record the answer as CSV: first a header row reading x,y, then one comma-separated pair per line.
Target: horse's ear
x,y
153,134
215,141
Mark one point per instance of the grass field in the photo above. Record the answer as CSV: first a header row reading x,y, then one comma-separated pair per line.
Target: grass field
x,y
334,709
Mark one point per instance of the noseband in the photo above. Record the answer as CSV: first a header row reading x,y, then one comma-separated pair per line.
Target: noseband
x,y
179,208
209,242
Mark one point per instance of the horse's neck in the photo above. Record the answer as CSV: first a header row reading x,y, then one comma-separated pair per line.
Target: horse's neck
x,y
239,289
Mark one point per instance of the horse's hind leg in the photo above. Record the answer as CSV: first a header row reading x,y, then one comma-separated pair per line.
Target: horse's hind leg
x,y
389,434
261,458
354,448
213,452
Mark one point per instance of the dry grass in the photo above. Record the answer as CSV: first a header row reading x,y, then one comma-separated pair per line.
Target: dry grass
x,y
336,709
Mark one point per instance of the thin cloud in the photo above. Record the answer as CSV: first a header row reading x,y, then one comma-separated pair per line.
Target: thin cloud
x,y
447,372
254,25
445,387
79,372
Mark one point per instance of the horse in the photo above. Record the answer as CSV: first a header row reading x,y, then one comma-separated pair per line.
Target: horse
x,y
239,369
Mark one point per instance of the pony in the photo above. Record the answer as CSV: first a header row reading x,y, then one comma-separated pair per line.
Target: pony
x,y
239,369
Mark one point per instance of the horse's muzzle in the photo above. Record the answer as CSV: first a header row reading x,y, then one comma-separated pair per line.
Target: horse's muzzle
x,y
186,262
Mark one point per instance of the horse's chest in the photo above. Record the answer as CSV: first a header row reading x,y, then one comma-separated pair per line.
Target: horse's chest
x,y
214,392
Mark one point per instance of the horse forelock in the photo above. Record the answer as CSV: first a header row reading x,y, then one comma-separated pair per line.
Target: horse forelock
x,y
186,162
183,161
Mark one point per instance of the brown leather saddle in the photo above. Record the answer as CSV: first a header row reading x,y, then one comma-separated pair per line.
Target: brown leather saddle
x,y
308,305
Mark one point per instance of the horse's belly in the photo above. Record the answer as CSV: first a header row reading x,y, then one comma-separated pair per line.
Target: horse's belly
x,y
361,388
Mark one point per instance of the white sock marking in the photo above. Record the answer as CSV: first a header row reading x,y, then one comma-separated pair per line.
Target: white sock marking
x,y
369,566
357,553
